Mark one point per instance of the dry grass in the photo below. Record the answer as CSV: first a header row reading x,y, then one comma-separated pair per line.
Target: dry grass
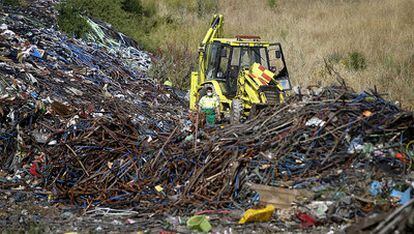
x,y
381,31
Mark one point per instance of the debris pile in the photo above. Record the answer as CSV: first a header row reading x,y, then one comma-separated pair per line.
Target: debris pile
x,y
56,91
323,143
83,120
333,145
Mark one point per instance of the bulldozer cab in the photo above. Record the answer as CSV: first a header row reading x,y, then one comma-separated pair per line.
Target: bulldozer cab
x,y
227,57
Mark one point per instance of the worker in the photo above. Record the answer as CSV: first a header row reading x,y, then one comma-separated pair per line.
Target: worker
x,y
209,105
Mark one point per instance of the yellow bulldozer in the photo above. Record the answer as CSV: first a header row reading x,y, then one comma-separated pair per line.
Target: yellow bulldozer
x,y
246,73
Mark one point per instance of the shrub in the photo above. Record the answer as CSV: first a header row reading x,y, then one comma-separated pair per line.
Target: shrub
x,y
133,6
71,21
132,17
272,3
15,3
356,61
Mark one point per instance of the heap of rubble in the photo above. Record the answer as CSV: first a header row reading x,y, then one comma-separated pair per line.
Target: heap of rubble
x,y
82,119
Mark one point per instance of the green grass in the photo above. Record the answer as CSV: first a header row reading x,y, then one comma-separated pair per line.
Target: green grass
x,y
15,3
356,61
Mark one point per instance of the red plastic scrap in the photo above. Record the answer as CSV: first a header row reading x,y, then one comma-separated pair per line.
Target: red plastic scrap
x,y
33,170
401,157
306,220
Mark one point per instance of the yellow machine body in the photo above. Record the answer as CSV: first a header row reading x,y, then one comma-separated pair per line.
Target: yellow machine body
x,y
245,72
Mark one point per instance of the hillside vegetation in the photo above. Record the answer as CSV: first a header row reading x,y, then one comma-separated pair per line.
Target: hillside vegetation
x,y
370,42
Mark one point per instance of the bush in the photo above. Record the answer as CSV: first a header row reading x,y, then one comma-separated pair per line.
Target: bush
x,y
133,6
272,3
15,3
131,17
356,61
71,21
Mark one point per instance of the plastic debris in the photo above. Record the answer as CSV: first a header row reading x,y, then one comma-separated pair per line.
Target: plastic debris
x,y
403,197
159,188
375,188
258,215
307,221
315,122
319,208
199,223
280,197
367,113
356,145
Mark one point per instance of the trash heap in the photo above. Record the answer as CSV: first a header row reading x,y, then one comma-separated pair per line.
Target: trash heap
x,y
83,120
61,97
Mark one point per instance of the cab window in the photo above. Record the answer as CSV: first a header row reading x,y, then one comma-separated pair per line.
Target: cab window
x,y
250,55
213,53
224,62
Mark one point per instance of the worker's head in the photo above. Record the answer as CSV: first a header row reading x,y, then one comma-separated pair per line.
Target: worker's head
x,y
209,91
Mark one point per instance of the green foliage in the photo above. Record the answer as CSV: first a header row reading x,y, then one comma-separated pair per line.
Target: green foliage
x,y
150,9
71,21
175,4
15,3
132,17
11,2
133,6
272,3
138,8
356,61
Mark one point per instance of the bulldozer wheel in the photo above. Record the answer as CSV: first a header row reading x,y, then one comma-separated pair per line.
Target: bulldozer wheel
x,y
236,111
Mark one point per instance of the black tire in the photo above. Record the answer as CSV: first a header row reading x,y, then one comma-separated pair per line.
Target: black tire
x,y
236,111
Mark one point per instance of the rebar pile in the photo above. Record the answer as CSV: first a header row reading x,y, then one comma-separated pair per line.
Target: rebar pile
x,y
108,164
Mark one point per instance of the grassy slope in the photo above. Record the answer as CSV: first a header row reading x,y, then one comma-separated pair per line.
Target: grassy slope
x,y
381,30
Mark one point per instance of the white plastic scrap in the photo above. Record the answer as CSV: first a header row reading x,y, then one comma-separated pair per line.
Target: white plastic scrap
x,y
40,137
3,27
356,145
8,33
319,208
315,122
73,121
53,142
